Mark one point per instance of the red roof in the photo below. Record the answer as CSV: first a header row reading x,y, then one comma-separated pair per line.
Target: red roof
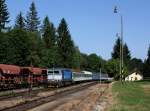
x,y
10,69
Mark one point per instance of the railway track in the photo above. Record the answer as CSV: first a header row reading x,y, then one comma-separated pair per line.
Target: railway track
x,y
21,92
81,100
57,94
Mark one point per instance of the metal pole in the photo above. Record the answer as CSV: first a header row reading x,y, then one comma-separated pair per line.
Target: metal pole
x,y
120,57
53,73
122,46
100,75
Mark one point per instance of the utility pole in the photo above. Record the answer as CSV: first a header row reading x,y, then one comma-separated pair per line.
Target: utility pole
x,y
100,75
121,43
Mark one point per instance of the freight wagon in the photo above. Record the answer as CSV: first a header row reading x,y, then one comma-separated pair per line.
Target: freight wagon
x,y
12,76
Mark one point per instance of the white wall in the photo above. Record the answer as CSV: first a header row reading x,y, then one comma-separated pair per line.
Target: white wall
x,y
134,77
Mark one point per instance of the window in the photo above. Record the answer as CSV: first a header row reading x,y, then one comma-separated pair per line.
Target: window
x,y
51,72
56,72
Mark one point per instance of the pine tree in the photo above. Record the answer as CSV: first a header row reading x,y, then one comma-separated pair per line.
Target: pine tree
x,y
4,15
49,33
66,47
20,21
32,19
146,70
126,54
116,50
148,54
49,37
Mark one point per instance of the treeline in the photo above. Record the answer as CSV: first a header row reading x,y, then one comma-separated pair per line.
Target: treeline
x,y
130,64
31,42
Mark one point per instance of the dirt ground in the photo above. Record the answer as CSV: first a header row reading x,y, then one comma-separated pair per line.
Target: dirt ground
x,y
10,102
95,98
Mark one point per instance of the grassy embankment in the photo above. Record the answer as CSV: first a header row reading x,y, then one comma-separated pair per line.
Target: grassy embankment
x,y
131,96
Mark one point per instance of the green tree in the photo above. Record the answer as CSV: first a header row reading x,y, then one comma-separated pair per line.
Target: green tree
x,y
126,54
83,61
24,48
94,62
20,21
18,51
49,33
116,52
36,49
112,68
4,15
50,55
146,71
4,45
135,65
65,45
76,58
32,20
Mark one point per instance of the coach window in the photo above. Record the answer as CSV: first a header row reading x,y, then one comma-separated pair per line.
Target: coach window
x,y
50,72
56,72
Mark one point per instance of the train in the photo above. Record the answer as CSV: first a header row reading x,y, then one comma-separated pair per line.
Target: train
x,y
12,76
63,76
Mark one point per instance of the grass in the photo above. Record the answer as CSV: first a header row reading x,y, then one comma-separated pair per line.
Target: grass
x,y
131,96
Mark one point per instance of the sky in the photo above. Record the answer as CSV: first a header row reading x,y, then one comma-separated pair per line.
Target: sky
x,y
92,23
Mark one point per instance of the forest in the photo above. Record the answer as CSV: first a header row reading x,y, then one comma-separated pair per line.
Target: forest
x,y
34,42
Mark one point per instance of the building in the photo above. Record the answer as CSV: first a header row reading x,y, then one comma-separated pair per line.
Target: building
x,y
135,76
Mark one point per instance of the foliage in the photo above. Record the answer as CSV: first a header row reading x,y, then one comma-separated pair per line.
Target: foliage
x,y
49,33
76,59
116,52
94,62
112,68
4,15
20,21
126,53
4,43
116,56
116,49
32,19
65,44
83,61
135,65
18,51
146,70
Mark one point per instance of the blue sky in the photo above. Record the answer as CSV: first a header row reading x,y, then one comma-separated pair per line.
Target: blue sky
x,y
92,23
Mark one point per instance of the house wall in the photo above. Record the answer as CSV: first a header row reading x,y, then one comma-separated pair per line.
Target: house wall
x,y
134,77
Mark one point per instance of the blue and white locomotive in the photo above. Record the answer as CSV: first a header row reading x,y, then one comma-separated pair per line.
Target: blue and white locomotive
x,y
63,76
